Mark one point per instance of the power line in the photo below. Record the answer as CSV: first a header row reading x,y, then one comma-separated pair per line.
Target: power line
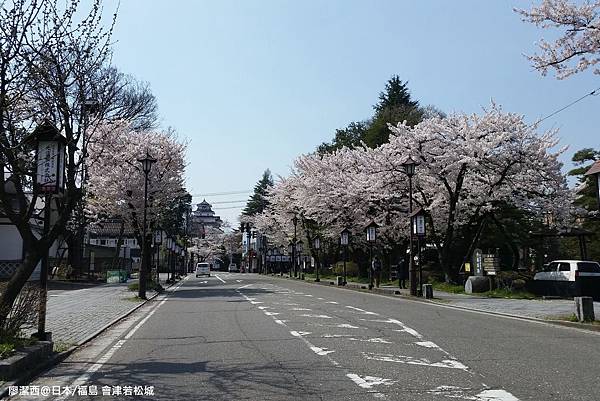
x,y
592,93
236,201
229,207
222,193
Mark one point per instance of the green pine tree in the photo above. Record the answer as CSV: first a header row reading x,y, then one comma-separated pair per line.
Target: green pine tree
x,y
258,201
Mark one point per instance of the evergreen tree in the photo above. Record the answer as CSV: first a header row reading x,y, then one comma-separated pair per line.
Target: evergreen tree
x,y
395,105
258,201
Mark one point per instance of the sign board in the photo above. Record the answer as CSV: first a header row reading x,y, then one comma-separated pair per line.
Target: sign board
x,y
278,258
467,267
419,225
49,167
478,262
491,263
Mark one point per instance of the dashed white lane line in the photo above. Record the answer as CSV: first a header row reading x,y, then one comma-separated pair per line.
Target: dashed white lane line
x,y
223,281
364,312
84,378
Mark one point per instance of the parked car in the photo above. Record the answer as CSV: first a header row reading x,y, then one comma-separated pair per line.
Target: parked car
x,y
569,278
202,269
233,268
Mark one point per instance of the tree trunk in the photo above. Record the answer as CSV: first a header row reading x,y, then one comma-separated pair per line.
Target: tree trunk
x,y
33,255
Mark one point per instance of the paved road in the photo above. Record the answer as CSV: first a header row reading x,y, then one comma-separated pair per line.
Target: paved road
x,y
246,337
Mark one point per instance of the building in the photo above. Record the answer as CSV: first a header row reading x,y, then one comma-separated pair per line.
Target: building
x,y
202,218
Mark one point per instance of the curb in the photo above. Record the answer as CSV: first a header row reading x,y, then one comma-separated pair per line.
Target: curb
x,y
61,356
391,293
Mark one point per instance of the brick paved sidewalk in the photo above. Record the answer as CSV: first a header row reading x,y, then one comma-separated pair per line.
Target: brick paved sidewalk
x,y
75,312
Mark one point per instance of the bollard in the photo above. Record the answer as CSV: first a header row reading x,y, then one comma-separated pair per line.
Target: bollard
x,y
428,291
339,280
584,309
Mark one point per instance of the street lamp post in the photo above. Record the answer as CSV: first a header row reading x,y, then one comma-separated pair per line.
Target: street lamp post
x,y
147,163
418,229
249,253
409,168
50,180
371,238
158,239
291,253
300,249
317,246
345,241
168,249
294,240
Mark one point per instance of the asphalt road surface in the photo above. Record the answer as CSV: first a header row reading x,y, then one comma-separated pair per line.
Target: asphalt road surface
x,y
250,337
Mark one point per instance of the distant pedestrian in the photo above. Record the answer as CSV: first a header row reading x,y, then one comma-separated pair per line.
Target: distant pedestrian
x,y
403,272
376,270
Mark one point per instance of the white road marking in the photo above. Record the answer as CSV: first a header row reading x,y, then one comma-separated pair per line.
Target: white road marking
x,y
281,322
271,313
223,281
332,302
362,311
428,344
335,335
237,281
346,326
371,340
409,360
495,395
463,394
321,351
316,316
369,381
300,309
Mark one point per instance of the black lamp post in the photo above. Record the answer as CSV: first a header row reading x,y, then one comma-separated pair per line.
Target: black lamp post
x,y
291,253
345,241
371,238
419,231
300,249
249,238
317,246
409,168
295,222
147,163
158,240
168,249
50,180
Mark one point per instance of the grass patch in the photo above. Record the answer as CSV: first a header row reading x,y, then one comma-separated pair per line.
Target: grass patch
x,y
572,318
151,285
62,346
9,345
134,299
505,293
448,287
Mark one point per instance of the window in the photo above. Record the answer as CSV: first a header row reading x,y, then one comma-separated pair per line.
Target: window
x,y
564,267
588,267
102,242
552,267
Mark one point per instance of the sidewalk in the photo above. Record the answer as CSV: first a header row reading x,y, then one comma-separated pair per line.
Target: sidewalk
x,y
75,312
528,308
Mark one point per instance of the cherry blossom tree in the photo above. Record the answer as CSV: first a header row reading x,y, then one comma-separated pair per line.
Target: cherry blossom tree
x,y
578,47
116,182
470,165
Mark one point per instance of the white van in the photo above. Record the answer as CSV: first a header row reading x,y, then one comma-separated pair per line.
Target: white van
x,y
569,278
202,269
233,268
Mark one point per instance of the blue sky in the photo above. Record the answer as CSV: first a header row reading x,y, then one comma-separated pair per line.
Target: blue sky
x,y
253,84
